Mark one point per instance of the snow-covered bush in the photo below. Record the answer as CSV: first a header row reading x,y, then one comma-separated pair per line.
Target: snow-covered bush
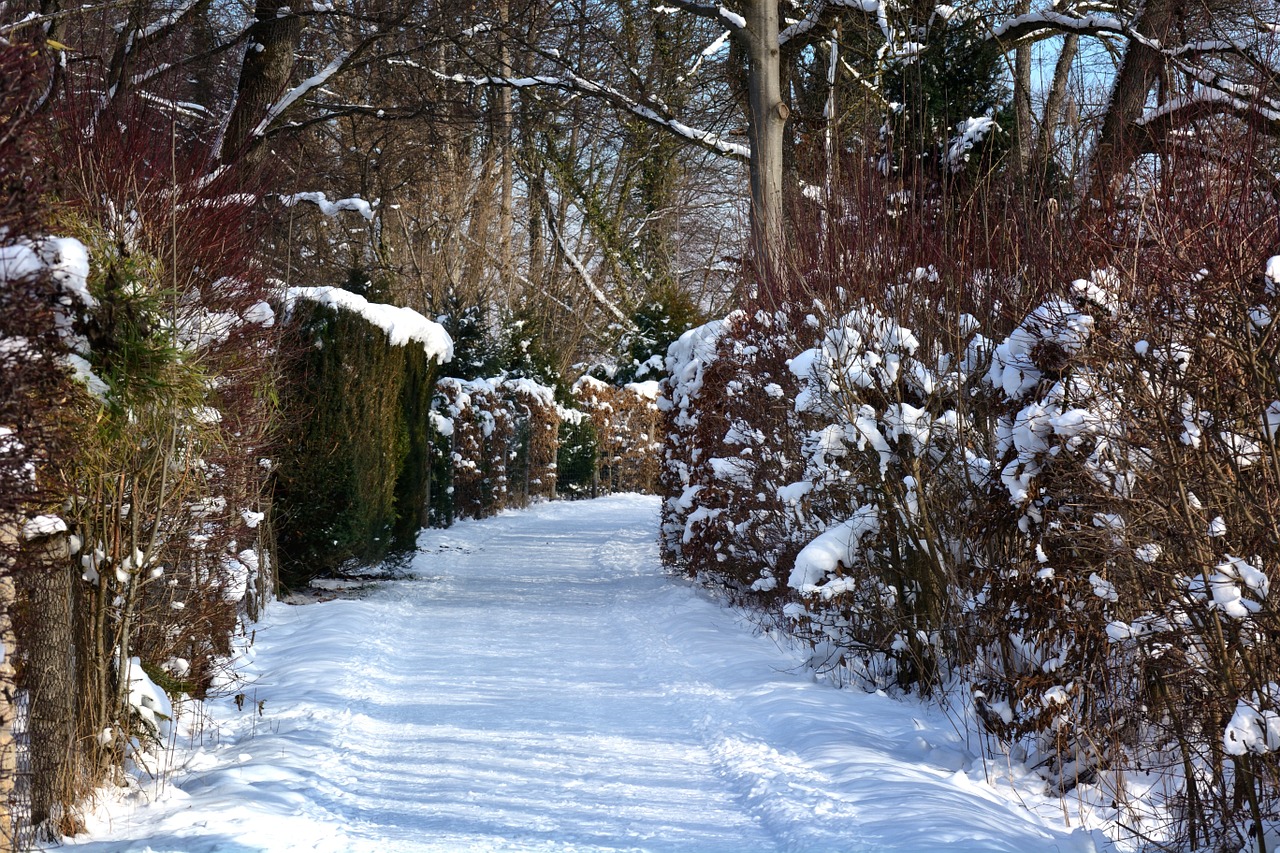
x,y
497,445
885,468
737,517
537,438
684,409
482,437
1061,490
624,425
146,537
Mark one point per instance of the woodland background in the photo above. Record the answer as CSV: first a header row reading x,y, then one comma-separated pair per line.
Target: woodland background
x,y
994,404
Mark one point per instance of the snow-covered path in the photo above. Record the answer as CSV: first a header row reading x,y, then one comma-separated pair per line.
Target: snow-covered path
x,y
540,685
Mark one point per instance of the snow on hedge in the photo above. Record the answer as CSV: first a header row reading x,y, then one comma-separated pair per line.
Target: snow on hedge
x,y
834,550
147,700
402,325
687,359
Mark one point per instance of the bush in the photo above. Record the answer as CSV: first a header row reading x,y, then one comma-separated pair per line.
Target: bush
x,y
351,482
150,544
624,424
1070,504
498,447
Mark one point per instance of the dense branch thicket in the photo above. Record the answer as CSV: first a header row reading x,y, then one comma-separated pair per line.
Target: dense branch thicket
x,y
1042,465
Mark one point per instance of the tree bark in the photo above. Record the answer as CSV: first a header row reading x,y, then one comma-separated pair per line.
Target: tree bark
x,y
268,64
8,688
1022,99
767,117
503,129
49,680
1054,103
1141,68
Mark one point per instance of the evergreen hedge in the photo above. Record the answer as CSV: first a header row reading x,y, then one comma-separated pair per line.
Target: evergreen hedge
x,y
352,480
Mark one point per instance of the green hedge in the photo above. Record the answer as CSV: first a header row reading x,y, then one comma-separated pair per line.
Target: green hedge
x,y
351,483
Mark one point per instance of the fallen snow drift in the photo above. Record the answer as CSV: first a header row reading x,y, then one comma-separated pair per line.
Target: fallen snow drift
x,y
540,685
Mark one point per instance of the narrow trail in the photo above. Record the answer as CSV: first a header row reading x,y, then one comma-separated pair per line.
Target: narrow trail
x,y
539,685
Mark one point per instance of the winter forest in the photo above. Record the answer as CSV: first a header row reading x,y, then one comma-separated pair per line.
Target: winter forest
x,y
945,338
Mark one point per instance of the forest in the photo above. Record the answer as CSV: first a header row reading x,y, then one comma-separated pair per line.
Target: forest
x,y
944,332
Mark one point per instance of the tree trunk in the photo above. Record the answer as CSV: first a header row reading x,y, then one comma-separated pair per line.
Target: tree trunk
x,y
1022,99
268,64
503,127
767,116
1118,140
49,680
8,689
1053,104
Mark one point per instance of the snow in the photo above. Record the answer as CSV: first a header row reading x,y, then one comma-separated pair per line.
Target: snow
x,y
1255,725
67,260
313,82
19,261
969,133
649,389
43,525
1048,19
148,701
540,685
732,18
402,325
1013,368
1273,273
331,208
687,359
838,545
573,83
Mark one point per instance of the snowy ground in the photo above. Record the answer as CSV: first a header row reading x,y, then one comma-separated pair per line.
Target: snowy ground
x,y
541,686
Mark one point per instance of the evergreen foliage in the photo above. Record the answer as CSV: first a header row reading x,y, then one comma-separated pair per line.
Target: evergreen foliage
x,y
476,353
667,315
578,457
953,73
351,484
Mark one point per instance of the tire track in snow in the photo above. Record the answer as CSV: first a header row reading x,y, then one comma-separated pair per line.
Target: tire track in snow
x,y
541,686
793,801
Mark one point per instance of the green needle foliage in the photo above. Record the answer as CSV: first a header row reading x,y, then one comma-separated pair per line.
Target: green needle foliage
x,y
352,483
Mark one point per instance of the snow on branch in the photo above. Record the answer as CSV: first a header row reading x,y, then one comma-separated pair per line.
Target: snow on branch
x,y
600,295
708,51
315,81
331,208
1216,93
168,21
821,9
1052,22
708,10
733,19
402,325
570,82
1181,110
1246,97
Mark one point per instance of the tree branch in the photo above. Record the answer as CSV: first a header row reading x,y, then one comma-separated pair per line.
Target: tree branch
x,y
715,13
570,82
823,11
